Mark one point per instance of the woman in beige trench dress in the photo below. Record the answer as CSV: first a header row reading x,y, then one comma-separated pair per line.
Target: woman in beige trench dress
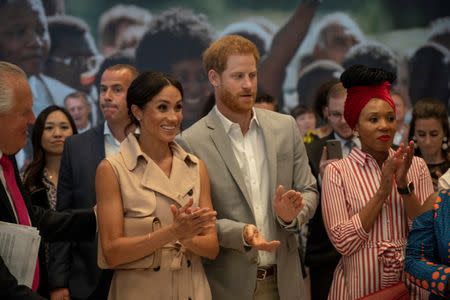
x,y
153,201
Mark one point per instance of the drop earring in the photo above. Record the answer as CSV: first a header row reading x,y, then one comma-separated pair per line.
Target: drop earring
x,y
444,143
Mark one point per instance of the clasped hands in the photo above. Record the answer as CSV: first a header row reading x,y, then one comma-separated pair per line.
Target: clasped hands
x,y
396,168
190,221
287,205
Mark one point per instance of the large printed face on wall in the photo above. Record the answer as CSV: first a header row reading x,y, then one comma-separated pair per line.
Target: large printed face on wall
x,y
195,85
74,60
24,38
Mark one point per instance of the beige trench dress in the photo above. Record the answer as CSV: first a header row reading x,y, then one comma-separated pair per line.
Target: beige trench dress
x,y
147,193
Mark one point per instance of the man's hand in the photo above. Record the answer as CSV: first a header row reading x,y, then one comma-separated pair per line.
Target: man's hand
x,y
60,294
254,238
287,205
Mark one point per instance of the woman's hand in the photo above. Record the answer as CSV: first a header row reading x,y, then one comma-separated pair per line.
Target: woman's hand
x,y
407,154
189,222
388,171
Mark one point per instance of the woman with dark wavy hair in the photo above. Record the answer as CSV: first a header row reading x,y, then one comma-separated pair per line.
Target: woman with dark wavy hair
x,y
53,125
430,131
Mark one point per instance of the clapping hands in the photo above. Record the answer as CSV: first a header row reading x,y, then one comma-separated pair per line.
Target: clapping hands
x,y
189,221
287,205
396,168
254,238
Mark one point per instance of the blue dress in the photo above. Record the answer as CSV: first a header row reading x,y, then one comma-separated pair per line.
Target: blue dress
x,y
428,250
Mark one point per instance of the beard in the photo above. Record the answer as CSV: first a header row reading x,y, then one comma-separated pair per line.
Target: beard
x,y
234,104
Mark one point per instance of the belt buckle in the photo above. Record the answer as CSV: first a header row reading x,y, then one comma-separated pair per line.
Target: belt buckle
x,y
261,274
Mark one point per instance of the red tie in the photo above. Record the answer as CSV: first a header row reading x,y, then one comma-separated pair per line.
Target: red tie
x,y
19,204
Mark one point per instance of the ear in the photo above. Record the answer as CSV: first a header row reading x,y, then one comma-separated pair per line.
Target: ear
x,y
214,78
136,111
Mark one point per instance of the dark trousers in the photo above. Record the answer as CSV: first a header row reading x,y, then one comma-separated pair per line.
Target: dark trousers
x,y
321,279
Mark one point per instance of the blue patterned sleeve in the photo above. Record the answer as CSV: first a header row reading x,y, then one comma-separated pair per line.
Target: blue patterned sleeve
x,y
423,265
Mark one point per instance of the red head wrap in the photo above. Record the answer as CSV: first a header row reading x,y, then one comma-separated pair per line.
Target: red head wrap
x,y
358,96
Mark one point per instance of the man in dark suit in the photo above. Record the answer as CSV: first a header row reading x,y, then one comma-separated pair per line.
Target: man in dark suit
x,y
15,116
321,257
73,267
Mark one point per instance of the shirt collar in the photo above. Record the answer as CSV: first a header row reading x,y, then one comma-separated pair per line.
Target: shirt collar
x,y
227,123
355,140
131,152
363,158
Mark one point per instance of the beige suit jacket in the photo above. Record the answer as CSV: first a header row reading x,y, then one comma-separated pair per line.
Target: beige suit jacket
x,y
233,274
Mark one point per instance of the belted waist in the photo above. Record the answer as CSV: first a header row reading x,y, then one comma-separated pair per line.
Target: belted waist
x,y
175,257
265,272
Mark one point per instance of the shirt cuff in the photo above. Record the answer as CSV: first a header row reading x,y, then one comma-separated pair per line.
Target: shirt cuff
x,y
356,220
288,226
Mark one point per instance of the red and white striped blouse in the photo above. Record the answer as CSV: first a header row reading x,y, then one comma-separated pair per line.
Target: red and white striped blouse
x,y
370,260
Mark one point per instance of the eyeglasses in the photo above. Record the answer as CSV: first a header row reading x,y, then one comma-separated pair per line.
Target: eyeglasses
x,y
90,62
335,115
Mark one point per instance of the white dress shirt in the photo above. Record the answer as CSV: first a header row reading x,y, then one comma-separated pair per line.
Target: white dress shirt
x,y
250,153
112,145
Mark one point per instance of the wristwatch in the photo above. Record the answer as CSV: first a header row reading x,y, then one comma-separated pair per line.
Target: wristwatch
x,y
406,190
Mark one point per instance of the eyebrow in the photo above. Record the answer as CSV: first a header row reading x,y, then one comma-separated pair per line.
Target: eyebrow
x,y
52,123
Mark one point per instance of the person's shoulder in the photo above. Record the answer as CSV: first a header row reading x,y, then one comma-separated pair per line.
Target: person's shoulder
x,y
195,130
437,201
87,135
419,162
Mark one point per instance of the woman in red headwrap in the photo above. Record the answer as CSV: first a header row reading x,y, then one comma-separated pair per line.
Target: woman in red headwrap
x,y
370,197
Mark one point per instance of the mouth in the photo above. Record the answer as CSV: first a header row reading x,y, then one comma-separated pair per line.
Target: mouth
x,y
169,128
246,96
109,107
384,138
32,57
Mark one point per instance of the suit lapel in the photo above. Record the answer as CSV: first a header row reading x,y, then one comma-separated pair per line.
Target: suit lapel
x,y
271,150
222,144
98,143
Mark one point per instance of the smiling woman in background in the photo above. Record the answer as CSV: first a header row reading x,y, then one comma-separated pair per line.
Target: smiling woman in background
x,y
53,125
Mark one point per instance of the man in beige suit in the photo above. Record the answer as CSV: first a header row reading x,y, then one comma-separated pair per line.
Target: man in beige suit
x,y
261,183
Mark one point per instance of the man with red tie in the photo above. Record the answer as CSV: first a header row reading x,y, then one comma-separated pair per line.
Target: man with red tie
x,y
15,116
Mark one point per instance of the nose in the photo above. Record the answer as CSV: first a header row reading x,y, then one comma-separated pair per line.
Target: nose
x,y
35,39
174,116
106,95
383,124
247,82
427,140
57,132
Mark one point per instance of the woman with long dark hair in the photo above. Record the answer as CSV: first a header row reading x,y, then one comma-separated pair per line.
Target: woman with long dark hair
x,y
53,125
